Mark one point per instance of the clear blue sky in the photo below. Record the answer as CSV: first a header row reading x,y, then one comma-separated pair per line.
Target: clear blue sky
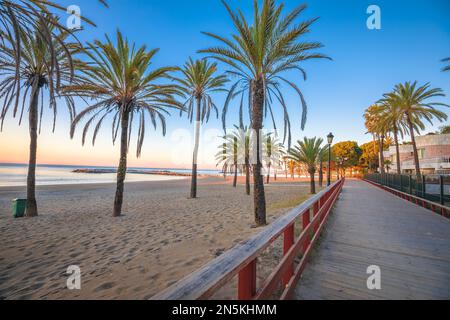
x,y
366,63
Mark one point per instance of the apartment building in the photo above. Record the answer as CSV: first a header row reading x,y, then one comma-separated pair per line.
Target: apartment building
x,y
434,155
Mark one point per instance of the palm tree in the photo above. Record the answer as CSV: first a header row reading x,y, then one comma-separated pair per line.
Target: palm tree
x,y
119,78
447,67
391,117
27,16
372,121
308,152
228,155
258,54
239,139
414,103
273,150
198,82
40,73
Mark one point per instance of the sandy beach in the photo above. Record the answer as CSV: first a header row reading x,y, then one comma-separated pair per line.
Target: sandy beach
x,y
162,236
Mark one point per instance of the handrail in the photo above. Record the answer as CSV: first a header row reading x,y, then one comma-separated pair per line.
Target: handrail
x,y
241,259
417,200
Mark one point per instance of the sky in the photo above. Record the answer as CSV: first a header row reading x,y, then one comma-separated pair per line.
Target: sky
x,y
413,38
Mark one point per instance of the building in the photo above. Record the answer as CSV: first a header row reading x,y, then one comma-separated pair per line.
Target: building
x,y
434,155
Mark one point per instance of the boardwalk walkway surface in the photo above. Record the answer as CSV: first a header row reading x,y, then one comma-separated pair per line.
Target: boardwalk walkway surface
x,y
369,226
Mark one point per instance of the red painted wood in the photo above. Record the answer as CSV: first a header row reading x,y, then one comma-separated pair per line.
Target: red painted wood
x,y
305,223
287,244
247,282
315,212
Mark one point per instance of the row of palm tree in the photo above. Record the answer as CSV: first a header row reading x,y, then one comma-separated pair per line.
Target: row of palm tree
x,y
234,154
401,112
237,152
117,81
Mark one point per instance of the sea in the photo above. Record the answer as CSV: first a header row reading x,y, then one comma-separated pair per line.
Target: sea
x,y
12,174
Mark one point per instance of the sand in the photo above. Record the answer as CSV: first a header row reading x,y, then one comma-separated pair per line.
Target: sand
x,y
162,237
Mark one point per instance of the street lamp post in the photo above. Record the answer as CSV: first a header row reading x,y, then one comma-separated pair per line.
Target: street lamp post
x,y
330,141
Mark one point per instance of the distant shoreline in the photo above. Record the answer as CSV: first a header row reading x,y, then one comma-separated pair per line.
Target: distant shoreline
x,y
155,172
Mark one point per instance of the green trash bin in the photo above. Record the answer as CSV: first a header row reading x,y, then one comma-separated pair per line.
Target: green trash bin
x,y
18,207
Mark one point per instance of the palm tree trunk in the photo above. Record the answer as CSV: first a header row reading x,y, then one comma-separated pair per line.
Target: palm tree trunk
x,y
196,146
122,169
312,182
268,174
286,169
259,197
235,175
380,147
397,148
321,174
31,209
413,141
247,176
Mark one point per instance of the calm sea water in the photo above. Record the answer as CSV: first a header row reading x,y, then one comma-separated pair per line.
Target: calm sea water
x,y
16,175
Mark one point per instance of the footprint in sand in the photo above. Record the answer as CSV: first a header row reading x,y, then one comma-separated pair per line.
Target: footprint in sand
x,y
105,286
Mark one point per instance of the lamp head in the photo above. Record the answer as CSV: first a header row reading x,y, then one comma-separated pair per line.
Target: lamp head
x,y
330,138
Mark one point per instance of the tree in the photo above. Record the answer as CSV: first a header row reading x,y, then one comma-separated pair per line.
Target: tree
x,y
119,79
447,67
378,129
323,157
444,129
391,118
37,77
198,82
414,103
387,164
273,150
369,155
257,54
308,152
20,17
347,153
228,155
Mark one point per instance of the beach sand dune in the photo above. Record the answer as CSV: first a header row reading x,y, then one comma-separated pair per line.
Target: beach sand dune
x,y
162,236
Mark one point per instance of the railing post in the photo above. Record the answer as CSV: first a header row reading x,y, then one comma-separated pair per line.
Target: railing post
x,y
315,212
410,184
247,282
423,186
441,190
287,244
305,223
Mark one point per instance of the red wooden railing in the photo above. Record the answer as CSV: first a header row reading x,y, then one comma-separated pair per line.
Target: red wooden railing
x,y
427,204
242,259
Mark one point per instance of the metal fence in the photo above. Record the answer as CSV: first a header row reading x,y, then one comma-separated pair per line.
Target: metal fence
x,y
435,188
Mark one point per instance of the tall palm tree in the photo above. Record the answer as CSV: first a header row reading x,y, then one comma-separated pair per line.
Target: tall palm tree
x,y
40,74
198,82
447,67
391,117
258,54
119,79
413,100
273,150
308,152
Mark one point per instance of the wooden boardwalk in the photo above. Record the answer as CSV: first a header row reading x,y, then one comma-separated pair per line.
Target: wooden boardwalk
x,y
369,226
